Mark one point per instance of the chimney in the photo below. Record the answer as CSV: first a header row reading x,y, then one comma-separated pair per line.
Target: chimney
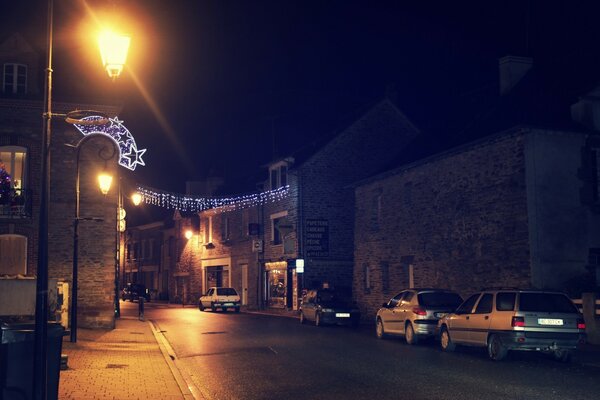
x,y
512,69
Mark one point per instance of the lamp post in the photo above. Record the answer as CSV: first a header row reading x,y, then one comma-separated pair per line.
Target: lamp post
x,y
41,295
104,182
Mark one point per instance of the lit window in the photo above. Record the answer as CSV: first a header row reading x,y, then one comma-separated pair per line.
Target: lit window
x,y
14,79
278,174
14,159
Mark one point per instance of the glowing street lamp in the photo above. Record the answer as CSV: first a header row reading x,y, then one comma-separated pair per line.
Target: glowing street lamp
x,y
113,49
189,234
136,199
104,182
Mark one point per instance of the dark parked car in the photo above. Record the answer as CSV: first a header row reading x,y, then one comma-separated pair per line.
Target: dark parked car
x,y
326,306
133,291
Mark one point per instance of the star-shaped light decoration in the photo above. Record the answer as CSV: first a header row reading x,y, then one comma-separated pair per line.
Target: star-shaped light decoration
x,y
129,155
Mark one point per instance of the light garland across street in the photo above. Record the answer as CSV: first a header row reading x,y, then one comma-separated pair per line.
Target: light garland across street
x,y
161,198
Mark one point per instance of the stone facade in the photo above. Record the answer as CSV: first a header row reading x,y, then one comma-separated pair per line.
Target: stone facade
x,y
21,128
473,217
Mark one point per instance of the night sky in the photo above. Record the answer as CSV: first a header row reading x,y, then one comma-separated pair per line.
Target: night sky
x,y
236,83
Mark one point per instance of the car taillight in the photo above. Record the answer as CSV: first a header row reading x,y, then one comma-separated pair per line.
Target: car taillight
x,y
419,311
517,321
580,324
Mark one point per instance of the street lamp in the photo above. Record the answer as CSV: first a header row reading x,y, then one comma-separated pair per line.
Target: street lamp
x,y
41,295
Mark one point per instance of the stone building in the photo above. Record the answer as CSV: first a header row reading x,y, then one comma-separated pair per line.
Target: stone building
x,y
515,208
21,110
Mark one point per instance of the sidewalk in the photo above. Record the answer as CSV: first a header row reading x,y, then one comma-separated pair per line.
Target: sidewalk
x,y
124,363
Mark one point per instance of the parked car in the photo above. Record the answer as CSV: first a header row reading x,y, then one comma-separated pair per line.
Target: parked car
x,y
414,313
133,291
327,306
220,297
513,319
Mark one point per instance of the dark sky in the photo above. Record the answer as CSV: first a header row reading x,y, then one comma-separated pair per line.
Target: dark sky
x,y
228,77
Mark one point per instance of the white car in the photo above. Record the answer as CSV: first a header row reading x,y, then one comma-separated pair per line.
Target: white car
x,y
220,297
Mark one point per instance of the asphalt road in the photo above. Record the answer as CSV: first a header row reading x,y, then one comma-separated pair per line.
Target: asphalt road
x,y
247,356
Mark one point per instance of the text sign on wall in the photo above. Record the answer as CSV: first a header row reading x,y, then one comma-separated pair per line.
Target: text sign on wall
x,y
316,237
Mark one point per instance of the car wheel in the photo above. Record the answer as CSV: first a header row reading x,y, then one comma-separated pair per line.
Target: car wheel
x,y
409,334
213,307
318,321
445,342
200,306
562,355
379,329
302,318
496,350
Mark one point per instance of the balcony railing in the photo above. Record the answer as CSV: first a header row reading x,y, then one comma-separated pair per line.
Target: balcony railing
x,y
16,204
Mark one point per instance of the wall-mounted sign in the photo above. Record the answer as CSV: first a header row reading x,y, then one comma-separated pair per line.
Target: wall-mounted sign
x,y
300,266
257,246
316,238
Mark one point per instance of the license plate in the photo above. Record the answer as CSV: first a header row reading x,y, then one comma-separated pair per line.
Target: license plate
x,y
342,315
550,321
440,314
228,304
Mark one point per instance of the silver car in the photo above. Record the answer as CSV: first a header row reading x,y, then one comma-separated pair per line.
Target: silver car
x,y
512,319
414,313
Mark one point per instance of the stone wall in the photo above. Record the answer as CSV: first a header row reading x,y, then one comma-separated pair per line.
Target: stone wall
x,y
457,221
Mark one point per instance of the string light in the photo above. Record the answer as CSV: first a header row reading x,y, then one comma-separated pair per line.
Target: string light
x,y
161,198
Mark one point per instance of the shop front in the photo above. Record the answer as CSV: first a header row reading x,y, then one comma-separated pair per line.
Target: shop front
x,y
281,285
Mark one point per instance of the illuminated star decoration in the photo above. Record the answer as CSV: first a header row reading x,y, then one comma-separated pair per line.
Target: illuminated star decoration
x,y
129,155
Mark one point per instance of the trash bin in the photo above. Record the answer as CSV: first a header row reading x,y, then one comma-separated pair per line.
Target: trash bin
x,y
16,360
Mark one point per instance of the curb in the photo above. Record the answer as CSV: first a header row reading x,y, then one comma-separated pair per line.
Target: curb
x,y
187,387
271,314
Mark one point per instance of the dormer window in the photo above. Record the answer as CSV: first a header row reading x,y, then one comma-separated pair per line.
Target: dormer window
x,y
14,78
278,175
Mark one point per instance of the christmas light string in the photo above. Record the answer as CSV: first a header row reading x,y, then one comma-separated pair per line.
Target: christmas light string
x,y
161,198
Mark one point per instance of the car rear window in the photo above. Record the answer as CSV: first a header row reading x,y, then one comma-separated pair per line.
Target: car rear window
x,y
439,299
546,302
226,292
505,301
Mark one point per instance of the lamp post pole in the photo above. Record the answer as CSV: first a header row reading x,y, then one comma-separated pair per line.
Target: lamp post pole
x,y
41,294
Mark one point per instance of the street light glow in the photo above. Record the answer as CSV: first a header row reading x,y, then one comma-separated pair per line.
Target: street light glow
x,y
104,180
113,49
136,199
189,234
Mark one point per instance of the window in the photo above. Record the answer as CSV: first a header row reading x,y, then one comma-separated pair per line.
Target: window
x,y
467,306
208,230
385,276
14,159
394,301
505,301
408,297
13,255
129,251
376,211
245,222
367,277
14,78
485,304
278,175
276,220
224,227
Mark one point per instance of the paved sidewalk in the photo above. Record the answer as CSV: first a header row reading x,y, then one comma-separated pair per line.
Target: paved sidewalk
x,y
124,363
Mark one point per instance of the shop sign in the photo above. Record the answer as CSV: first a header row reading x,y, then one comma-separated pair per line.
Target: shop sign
x,y
316,238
